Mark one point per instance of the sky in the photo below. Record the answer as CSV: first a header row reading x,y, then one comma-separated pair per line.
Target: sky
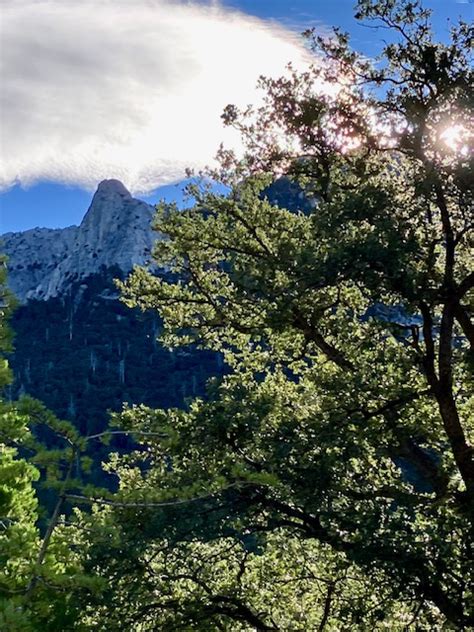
x,y
134,89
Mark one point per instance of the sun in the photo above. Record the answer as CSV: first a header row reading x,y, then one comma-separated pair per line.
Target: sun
x,y
452,136
456,138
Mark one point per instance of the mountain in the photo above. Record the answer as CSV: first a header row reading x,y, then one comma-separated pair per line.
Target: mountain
x,y
84,353
116,231
77,347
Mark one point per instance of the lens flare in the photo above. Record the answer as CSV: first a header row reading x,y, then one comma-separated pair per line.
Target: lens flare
x,y
456,138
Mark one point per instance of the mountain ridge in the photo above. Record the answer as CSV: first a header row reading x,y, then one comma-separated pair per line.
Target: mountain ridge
x,y
115,231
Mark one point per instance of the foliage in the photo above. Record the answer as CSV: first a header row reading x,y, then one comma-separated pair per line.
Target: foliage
x,y
327,480
346,423
39,570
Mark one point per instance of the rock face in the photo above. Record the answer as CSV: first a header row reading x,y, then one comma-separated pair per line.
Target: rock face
x,y
116,231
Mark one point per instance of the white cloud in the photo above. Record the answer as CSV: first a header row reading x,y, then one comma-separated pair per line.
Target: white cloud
x,y
131,89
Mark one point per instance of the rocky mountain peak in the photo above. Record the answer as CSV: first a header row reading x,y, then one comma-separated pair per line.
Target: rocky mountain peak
x,y
110,187
115,231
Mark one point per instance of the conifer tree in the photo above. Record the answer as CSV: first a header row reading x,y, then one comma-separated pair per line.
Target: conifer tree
x,y
40,557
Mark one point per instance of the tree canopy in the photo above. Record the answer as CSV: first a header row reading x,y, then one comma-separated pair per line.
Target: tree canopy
x,y
327,480
346,422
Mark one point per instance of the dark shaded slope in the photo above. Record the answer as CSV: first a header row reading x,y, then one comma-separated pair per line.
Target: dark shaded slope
x,y
85,353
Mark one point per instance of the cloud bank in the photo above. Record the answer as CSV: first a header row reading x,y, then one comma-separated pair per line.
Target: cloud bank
x,y
128,89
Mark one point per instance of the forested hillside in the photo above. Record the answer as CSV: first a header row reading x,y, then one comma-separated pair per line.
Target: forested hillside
x,y
85,353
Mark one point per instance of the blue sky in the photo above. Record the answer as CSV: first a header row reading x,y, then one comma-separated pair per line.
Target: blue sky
x,y
137,99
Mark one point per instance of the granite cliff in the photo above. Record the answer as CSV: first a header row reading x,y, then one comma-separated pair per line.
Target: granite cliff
x,y
115,232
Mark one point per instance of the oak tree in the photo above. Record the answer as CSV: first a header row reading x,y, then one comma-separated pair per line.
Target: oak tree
x,y
346,418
